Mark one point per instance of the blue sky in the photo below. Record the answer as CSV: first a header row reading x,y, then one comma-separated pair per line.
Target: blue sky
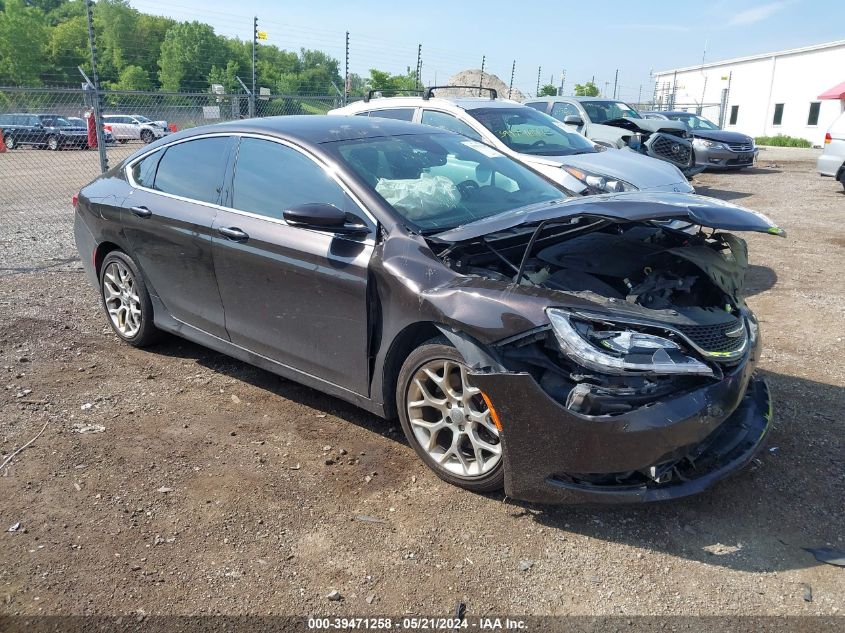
x,y
587,39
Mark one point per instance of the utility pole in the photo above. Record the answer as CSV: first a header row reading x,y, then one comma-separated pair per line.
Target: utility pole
x,y
562,81
254,49
539,70
97,101
346,73
481,80
615,82
640,96
419,66
510,85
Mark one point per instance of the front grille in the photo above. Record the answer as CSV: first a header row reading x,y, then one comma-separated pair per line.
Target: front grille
x,y
713,338
670,149
741,147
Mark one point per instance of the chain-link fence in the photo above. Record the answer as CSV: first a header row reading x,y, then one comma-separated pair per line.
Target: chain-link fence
x,y
49,156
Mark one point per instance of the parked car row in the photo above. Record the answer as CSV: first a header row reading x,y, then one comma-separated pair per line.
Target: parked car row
x,y
54,132
542,313
49,131
538,140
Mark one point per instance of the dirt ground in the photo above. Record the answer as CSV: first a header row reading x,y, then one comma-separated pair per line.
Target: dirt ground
x,y
217,488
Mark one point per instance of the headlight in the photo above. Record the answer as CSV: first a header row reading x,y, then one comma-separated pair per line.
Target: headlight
x,y
599,184
753,327
703,143
616,350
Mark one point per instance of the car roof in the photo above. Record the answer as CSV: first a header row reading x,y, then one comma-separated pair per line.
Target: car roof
x,y
310,129
570,98
668,112
464,103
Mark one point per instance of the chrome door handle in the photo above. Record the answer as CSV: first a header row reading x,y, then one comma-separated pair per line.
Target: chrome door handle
x,y
233,233
141,212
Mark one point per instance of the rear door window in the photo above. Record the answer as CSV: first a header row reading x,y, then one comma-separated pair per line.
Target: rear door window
x,y
400,114
144,171
448,122
194,169
562,110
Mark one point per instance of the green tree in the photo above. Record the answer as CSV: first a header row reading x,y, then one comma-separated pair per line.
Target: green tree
x,y
116,32
588,89
547,91
132,78
383,81
24,36
189,51
68,48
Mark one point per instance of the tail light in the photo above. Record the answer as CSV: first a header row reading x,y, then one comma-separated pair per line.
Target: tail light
x,y
827,138
74,200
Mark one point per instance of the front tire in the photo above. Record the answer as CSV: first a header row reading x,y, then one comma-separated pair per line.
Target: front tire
x,y
52,143
126,301
446,419
147,136
10,141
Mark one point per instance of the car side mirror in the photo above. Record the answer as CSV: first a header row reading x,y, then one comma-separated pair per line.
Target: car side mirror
x,y
573,119
324,217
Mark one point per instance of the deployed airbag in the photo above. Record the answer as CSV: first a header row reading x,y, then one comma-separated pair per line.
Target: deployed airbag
x,y
422,197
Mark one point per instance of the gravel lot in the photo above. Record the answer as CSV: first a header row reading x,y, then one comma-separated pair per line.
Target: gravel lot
x,y
209,488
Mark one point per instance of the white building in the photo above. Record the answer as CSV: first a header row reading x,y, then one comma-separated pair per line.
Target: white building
x,y
797,92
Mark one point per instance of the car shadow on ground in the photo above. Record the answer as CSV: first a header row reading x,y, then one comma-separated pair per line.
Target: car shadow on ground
x,y
721,194
758,279
757,520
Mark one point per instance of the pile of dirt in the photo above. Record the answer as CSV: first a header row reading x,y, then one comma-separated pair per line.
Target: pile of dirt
x,y
473,77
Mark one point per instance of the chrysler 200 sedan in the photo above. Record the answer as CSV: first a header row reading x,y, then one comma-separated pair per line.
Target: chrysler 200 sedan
x,y
564,348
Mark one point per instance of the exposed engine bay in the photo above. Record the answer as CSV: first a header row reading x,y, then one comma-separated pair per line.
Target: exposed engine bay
x,y
668,312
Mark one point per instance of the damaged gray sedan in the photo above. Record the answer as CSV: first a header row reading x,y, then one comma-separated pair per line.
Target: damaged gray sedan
x,y
566,349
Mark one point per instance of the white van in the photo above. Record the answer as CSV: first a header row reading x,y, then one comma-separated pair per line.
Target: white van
x,y
832,160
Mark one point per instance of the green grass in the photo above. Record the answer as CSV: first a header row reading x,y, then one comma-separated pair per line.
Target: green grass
x,y
781,140
316,108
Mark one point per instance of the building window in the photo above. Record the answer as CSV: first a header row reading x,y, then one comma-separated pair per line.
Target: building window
x,y
813,117
778,114
734,115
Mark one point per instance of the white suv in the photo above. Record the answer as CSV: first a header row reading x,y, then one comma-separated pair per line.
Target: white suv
x,y
832,160
127,127
531,137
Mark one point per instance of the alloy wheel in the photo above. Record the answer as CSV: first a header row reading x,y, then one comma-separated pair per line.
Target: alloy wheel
x,y
121,298
451,421
10,142
53,143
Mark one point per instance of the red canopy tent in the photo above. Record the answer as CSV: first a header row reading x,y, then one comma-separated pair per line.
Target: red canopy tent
x,y
837,92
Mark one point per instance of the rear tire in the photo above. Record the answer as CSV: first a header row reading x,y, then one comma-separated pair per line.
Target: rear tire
x,y
446,420
842,178
10,141
126,301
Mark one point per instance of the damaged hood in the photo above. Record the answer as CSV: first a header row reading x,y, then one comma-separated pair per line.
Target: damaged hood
x,y
644,172
623,207
722,136
647,125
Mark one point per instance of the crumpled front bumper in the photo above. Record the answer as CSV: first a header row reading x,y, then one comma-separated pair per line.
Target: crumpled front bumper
x,y
554,455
